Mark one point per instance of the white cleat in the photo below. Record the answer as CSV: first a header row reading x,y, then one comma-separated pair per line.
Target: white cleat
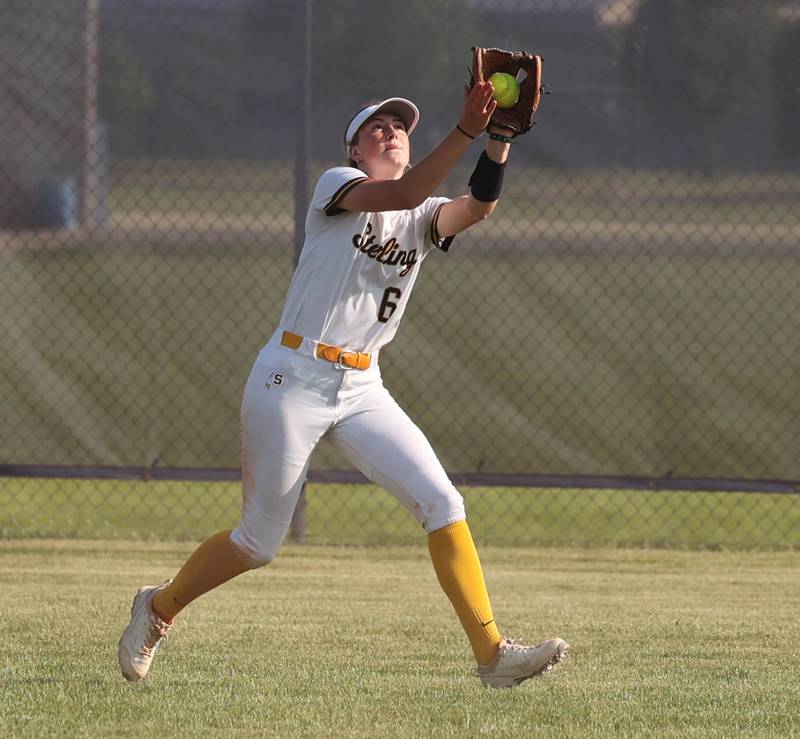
x,y
516,662
144,633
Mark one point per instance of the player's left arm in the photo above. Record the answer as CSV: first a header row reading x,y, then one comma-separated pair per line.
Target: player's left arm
x,y
465,211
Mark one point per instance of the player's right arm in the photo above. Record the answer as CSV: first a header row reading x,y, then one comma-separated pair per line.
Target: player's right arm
x,y
419,182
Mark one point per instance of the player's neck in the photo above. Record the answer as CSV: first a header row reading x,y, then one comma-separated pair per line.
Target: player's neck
x,y
383,170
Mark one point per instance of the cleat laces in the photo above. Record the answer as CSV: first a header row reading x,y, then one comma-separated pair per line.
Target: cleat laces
x,y
157,631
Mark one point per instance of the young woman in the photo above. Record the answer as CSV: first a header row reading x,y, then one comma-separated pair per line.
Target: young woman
x,y
368,229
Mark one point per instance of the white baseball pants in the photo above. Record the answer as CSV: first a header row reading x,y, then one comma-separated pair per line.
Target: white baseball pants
x,y
290,402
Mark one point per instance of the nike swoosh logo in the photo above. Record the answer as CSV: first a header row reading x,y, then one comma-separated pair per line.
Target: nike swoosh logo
x,y
490,621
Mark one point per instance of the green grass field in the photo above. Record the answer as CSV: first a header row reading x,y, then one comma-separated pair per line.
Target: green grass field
x,y
362,643
367,515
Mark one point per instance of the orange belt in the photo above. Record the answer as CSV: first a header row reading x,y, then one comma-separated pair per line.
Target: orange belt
x,y
340,357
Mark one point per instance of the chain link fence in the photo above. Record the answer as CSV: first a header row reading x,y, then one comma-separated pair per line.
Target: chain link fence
x,y
614,356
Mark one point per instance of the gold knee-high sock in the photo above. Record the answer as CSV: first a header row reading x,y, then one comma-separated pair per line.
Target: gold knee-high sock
x,y
214,562
458,568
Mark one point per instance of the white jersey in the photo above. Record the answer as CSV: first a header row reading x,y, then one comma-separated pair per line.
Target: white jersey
x,y
356,270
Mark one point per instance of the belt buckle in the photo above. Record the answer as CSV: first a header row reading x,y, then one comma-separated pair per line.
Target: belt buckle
x,y
338,364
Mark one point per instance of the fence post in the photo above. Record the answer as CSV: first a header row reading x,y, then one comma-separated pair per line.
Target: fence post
x,y
90,142
301,168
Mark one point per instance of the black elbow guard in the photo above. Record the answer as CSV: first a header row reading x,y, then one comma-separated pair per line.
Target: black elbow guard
x,y
486,182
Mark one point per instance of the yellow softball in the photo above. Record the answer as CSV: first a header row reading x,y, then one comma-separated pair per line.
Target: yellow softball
x,y
506,89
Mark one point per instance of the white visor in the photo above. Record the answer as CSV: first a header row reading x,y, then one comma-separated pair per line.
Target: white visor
x,y
405,109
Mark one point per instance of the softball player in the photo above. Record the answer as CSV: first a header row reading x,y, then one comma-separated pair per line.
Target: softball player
x,y
368,229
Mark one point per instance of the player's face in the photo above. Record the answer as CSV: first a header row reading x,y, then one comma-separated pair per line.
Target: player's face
x,y
383,149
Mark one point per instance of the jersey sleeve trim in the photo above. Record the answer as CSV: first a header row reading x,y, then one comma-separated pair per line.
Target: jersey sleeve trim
x,y
438,241
331,209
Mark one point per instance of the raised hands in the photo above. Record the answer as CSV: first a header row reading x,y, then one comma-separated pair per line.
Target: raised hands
x,y
477,108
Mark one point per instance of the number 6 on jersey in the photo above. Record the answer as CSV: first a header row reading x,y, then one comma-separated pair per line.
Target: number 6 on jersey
x,y
388,304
